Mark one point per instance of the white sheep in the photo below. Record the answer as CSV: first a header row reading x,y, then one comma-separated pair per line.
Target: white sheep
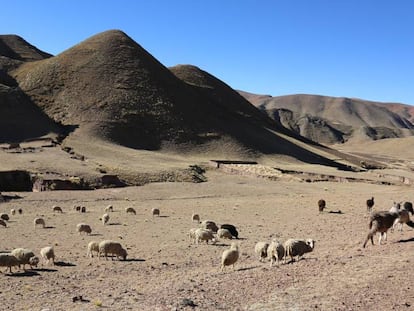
x,y
3,223
105,218
13,211
230,256
57,209
112,247
47,253
39,221
155,212
224,234
297,247
8,260
275,252
204,235
130,210
24,255
261,250
109,208
209,224
93,246
82,227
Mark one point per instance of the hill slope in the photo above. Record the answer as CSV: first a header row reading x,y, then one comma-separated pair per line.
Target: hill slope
x,y
112,90
330,120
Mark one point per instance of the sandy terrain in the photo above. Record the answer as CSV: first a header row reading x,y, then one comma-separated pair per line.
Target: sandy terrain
x,y
166,272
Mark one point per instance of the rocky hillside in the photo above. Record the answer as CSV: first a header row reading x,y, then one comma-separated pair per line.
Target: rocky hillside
x,y
331,120
109,88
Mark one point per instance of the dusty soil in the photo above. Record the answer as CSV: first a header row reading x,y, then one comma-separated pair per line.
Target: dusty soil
x,y
164,271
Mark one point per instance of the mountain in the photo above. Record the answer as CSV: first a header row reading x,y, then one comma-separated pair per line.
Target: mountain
x,y
20,118
330,120
17,48
110,89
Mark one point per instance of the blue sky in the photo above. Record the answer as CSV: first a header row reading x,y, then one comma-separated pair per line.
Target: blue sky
x,y
352,48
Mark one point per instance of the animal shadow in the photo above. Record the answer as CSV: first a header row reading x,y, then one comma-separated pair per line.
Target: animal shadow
x,y
49,227
115,224
95,234
24,273
64,264
134,259
406,240
45,270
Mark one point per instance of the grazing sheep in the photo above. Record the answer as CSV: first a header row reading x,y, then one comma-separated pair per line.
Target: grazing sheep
x,y
297,247
4,216
24,255
77,208
39,221
130,210
232,229
33,261
370,204
230,256
155,212
83,209
275,252
210,225
105,218
261,250
13,211
111,247
8,260
3,223
224,234
321,205
57,209
82,227
395,208
47,254
202,234
380,222
195,217
20,211
93,246
109,208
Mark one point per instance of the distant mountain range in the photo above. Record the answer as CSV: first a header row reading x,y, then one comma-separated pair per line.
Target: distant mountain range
x,y
108,88
331,120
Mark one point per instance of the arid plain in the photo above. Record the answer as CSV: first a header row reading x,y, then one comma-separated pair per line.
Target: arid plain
x,y
164,271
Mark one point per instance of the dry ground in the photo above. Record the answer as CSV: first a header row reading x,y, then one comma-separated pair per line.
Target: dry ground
x,y
164,268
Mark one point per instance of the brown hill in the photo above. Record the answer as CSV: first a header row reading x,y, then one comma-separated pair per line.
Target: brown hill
x,y
20,118
331,120
17,48
112,90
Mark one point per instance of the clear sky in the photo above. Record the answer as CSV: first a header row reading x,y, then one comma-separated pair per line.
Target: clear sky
x,y
352,48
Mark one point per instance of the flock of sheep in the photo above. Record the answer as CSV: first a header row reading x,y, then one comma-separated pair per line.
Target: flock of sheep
x,y
207,230
22,256
275,251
